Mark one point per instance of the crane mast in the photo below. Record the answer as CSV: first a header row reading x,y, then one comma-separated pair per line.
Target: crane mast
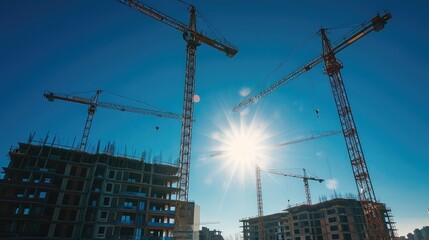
x,y
307,188
93,103
373,215
181,218
91,111
193,39
261,226
188,108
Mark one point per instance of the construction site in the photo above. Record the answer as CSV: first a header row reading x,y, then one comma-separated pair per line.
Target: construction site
x,y
86,189
49,191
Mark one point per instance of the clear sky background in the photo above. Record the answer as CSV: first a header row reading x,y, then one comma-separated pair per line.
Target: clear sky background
x,y
77,47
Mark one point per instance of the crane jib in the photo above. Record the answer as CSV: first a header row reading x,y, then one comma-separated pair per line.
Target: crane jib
x,y
377,23
88,101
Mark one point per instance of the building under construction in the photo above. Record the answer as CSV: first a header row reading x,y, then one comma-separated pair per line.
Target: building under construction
x,y
338,218
50,191
207,234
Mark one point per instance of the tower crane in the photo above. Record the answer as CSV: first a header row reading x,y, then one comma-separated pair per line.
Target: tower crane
x,y
371,208
258,170
94,103
193,38
304,177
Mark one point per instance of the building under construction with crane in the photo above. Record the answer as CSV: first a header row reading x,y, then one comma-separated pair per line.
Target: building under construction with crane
x,y
372,210
193,38
338,218
60,192
51,191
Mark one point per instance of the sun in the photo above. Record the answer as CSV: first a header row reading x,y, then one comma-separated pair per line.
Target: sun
x,y
243,148
241,144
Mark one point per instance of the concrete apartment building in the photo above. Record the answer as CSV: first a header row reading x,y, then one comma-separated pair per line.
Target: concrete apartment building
x,y
418,234
207,234
338,218
50,191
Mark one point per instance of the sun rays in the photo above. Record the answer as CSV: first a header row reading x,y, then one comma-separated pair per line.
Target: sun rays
x,y
240,144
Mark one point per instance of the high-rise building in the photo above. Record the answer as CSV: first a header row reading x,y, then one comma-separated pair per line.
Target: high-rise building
x,y
51,191
418,235
333,219
425,232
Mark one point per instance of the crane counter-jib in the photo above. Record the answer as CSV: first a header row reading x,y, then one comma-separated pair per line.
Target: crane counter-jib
x,y
52,96
221,45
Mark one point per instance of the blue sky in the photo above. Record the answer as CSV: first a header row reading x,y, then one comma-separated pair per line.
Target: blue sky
x,y
77,47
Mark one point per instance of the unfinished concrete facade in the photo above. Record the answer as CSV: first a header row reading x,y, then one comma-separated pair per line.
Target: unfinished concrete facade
x,y
53,192
334,219
207,234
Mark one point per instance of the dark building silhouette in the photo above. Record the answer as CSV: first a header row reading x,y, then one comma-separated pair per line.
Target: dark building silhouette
x,y
207,234
419,234
338,218
50,191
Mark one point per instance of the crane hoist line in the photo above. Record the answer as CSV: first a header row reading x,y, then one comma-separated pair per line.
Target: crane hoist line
x,y
373,211
193,38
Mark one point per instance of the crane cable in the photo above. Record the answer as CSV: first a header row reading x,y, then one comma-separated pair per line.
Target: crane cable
x,y
317,126
311,174
186,3
135,100
313,94
293,53
214,31
354,26
76,93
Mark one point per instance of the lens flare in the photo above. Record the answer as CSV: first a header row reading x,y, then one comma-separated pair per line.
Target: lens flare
x,y
241,143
